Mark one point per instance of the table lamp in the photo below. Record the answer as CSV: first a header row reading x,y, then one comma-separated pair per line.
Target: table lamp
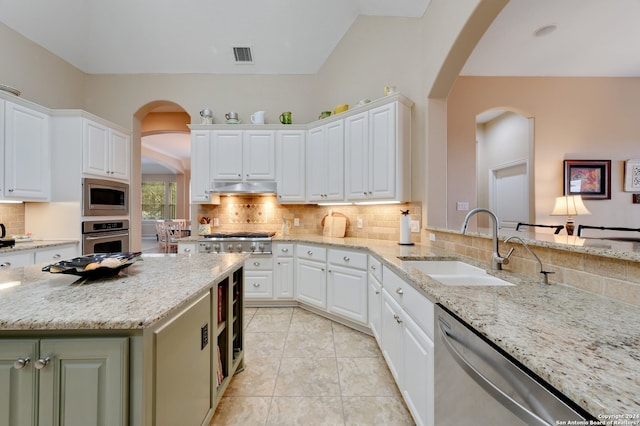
x,y
569,205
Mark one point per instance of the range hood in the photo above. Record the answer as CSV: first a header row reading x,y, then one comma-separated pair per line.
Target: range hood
x,y
254,188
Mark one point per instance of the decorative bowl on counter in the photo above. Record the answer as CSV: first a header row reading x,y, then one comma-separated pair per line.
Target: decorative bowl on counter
x,y
98,265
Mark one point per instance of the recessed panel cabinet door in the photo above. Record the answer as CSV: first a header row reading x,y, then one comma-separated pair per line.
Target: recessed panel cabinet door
x,y
27,163
311,286
95,149
226,155
18,382
84,382
120,147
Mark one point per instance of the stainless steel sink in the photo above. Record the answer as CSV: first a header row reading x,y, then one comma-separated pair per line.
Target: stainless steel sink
x,y
455,273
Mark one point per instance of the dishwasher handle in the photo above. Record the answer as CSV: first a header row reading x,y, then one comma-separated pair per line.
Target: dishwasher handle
x,y
514,406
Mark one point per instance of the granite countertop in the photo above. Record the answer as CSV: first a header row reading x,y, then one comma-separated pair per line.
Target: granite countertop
x,y
136,298
35,244
586,346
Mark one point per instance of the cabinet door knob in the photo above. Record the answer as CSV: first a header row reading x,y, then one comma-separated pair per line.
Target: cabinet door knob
x,y
256,263
57,256
373,267
256,285
377,291
42,363
346,258
21,362
5,265
285,250
11,190
309,252
399,291
187,250
397,318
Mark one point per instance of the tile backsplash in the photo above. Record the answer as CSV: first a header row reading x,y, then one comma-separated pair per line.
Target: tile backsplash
x,y
263,213
12,216
610,277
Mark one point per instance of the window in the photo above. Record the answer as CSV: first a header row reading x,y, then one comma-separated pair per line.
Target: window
x,y
158,200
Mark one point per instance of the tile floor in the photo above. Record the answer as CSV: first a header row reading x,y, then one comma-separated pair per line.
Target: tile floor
x,y
302,369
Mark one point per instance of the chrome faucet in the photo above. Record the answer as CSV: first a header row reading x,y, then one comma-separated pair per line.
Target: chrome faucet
x,y
545,274
496,260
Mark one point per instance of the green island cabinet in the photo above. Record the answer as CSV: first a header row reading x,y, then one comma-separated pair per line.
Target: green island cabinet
x,y
171,373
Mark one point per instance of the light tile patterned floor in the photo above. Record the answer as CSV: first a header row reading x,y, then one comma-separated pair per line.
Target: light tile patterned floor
x,y
302,369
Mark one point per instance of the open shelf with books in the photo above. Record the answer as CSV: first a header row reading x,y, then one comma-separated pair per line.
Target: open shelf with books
x,y
228,358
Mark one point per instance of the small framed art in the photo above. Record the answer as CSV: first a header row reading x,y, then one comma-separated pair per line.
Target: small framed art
x,y
632,176
589,178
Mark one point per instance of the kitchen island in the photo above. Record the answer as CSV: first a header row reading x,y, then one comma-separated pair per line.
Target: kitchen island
x,y
118,330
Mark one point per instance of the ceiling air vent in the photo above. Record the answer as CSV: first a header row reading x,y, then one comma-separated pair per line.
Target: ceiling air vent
x,y
243,55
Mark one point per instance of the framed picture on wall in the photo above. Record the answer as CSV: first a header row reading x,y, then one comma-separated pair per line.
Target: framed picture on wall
x,y
589,178
632,176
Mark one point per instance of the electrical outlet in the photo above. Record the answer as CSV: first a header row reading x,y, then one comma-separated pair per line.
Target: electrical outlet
x,y
216,221
296,221
462,206
432,236
415,226
359,222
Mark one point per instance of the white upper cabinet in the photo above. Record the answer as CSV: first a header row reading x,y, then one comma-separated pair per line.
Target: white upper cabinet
x,y
106,152
259,155
25,141
243,155
325,163
290,170
200,169
377,154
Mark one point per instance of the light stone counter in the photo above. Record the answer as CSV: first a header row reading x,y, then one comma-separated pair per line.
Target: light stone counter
x,y
36,244
586,346
136,298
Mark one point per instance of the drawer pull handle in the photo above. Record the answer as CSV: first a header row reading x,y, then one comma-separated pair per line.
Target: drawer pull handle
x,y
5,265
187,250
21,362
309,252
373,267
377,291
42,363
57,256
256,263
256,285
346,258
397,318
399,291
285,250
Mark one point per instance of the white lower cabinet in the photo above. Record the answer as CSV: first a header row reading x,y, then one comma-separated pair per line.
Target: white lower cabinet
x,y
347,285
374,297
283,272
258,277
69,382
407,345
20,258
311,275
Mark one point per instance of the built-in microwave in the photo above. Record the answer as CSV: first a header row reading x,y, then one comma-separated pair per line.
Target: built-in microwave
x,y
104,198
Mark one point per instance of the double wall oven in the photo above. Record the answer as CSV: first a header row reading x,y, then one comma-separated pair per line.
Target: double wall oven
x,y
107,202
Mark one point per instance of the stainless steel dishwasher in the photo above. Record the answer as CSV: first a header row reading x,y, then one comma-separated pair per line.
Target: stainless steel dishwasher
x,y
476,383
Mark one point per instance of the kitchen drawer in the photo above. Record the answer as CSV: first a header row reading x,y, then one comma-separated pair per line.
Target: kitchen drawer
x,y
56,254
305,251
16,260
412,301
283,250
375,268
258,263
350,259
258,284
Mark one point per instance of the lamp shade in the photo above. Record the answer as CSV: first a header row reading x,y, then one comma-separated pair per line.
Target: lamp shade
x,y
569,205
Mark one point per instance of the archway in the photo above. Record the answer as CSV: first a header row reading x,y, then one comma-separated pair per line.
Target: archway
x,y
160,152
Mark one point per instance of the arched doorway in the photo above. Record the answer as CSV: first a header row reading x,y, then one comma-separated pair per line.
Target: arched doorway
x,y
504,164
164,167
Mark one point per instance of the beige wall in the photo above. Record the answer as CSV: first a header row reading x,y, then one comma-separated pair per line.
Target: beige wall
x,y
574,118
41,76
421,57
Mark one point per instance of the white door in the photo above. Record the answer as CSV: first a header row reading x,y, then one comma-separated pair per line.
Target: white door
x,y
509,193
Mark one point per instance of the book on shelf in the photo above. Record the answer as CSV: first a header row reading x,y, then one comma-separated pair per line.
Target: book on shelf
x,y
220,293
220,373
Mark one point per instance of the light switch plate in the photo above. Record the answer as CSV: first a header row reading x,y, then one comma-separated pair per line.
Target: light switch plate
x,y
296,221
462,206
216,221
415,226
359,223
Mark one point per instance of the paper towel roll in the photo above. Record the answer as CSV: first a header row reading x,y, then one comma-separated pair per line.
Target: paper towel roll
x,y
405,229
